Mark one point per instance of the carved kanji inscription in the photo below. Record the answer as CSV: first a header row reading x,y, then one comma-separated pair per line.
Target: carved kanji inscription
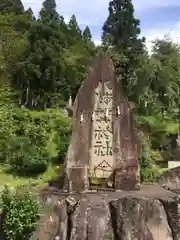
x,y
101,150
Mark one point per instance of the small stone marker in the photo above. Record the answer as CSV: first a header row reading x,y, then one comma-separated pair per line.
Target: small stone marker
x,y
104,143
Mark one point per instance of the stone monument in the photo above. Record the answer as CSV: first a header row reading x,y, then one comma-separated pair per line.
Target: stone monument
x,y
104,144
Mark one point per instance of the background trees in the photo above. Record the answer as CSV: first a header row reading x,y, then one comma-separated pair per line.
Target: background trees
x,y
43,61
121,34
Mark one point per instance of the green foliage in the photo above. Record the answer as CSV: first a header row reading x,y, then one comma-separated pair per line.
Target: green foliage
x,y
149,170
75,32
151,82
121,35
40,138
8,6
31,140
7,127
21,211
25,157
33,55
87,36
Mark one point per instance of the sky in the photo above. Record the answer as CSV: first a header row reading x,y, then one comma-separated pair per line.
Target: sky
x,y
157,17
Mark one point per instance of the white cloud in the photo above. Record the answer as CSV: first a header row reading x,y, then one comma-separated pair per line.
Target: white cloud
x,y
160,33
97,42
87,12
142,4
95,11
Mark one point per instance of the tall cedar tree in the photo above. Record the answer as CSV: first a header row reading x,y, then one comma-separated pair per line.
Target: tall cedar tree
x,y
43,65
121,34
75,33
87,36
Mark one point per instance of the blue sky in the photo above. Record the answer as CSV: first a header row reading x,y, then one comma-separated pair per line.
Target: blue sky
x,y
157,17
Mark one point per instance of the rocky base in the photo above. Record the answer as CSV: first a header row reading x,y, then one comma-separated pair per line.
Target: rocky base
x,y
149,214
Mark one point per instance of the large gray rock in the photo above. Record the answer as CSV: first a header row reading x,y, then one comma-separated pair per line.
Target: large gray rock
x,y
170,179
54,222
91,220
112,216
140,219
172,208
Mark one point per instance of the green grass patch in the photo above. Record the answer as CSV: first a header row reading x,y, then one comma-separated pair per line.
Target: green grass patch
x,y
162,170
11,180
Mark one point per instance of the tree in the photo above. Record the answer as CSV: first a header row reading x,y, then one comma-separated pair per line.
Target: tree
x,y
77,55
87,36
11,6
75,34
13,46
121,34
30,12
43,65
166,83
48,12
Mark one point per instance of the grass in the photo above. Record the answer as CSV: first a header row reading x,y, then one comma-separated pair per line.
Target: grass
x,y
162,170
13,181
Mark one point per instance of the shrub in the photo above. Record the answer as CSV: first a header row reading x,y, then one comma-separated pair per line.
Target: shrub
x,y
7,130
25,158
40,138
149,170
61,127
30,140
21,211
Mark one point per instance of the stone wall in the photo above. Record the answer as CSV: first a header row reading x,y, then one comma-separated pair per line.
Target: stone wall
x,y
151,214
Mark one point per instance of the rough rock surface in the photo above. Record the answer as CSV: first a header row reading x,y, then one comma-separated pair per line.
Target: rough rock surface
x,y
172,208
152,213
101,105
54,222
170,179
91,220
140,219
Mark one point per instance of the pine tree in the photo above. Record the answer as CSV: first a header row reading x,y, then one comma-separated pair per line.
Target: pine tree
x,y
75,32
48,13
87,36
121,33
31,14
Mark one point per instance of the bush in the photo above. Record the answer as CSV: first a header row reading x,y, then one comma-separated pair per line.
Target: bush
x,y
61,127
37,139
26,158
149,170
7,130
21,212
30,140
49,130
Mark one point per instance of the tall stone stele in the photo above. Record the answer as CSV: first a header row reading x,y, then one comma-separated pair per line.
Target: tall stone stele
x,y
104,143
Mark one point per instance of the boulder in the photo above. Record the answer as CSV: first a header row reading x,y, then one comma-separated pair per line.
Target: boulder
x,y
140,215
170,179
172,208
91,220
140,219
53,223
